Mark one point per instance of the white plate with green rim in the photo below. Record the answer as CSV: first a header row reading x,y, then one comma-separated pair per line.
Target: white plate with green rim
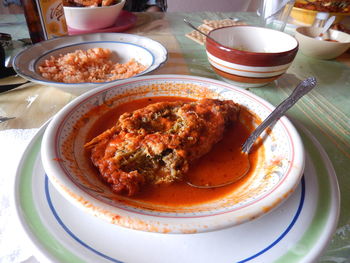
x,y
299,230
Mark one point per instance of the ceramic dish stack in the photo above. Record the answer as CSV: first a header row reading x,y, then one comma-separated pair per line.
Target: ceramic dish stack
x,y
61,204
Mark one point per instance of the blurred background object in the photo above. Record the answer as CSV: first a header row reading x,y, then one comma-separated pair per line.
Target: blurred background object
x,y
208,5
146,5
341,27
5,40
305,12
89,17
330,6
45,18
275,13
334,44
5,43
11,7
320,19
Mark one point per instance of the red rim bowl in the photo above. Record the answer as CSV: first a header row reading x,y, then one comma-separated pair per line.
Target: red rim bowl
x,y
250,56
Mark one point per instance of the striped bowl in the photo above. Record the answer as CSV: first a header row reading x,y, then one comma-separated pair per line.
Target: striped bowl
x,y
250,56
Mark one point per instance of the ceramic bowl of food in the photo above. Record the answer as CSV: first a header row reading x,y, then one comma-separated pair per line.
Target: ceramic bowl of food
x,y
304,12
334,44
76,64
250,56
93,15
133,169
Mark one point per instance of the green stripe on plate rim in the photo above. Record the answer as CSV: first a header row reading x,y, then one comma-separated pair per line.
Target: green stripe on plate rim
x,y
57,250
42,234
312,235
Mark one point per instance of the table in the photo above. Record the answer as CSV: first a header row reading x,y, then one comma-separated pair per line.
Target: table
x,y
325,111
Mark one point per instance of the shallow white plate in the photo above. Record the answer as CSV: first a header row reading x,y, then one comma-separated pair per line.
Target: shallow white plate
x,y
297,231
126,46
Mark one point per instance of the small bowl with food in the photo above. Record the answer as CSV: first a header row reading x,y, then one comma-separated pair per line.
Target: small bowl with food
x,y
333,43
76,64
305,12
250,56
91,14
162,153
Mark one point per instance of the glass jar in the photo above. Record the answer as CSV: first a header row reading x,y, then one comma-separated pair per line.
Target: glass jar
x,y
320,20
45,19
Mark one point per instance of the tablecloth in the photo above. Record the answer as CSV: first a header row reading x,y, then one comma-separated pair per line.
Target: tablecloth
x,y
13,142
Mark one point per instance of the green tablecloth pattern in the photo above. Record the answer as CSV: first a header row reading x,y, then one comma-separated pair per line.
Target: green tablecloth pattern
x,y
325,111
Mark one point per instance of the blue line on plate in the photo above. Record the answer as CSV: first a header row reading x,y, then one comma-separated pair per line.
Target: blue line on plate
x,y
59,220
300,207
284,233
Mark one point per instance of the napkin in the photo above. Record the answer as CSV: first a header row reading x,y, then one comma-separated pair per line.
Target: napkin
x,y
14,247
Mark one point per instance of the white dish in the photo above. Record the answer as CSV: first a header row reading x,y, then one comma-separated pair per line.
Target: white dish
x,y
276,175
127,46
297,231
322,49
89,18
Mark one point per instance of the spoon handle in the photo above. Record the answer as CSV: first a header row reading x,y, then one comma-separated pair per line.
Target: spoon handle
x,y
3,119
304,87
327,25
193,27
204,34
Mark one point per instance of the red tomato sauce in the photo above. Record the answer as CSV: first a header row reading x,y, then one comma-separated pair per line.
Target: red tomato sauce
x,y
222,162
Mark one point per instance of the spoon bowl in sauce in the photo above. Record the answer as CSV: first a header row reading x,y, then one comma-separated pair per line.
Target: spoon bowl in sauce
x,y
244,162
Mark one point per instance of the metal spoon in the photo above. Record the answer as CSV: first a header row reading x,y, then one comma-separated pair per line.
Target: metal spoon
x,y
3,119
325,28
204,34
303,88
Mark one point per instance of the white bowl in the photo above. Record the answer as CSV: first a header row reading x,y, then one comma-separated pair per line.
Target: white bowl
x,y
92,18
144,50
276,175
322,49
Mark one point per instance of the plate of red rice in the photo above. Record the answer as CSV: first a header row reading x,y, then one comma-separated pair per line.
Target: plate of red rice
x,y
77,64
